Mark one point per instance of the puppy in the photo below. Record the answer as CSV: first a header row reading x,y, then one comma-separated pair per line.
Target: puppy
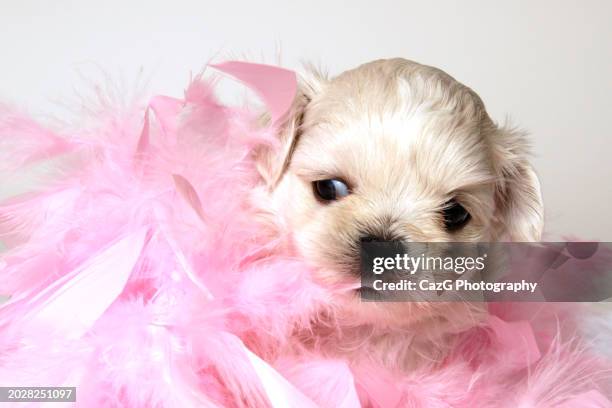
x,y
395,150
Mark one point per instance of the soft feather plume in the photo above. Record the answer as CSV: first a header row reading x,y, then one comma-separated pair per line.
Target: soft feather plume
x,y
144,269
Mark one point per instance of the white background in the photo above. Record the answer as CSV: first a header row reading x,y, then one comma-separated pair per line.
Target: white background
x,y
546,64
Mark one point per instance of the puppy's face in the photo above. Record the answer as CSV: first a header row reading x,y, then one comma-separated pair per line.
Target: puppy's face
x,y
394,150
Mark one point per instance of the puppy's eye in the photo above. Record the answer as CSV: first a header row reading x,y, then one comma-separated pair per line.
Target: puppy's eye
x,y
331,189
455,216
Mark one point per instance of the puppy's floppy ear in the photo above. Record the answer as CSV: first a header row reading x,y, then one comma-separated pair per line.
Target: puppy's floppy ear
x,y
272,162
519,206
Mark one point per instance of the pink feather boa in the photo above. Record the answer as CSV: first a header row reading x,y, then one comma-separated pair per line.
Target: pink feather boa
x,y
144,275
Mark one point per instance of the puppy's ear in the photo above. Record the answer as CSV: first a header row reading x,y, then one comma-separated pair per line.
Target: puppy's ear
x,y
272,162
519,207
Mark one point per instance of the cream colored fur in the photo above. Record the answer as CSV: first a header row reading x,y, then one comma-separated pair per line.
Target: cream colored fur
x,y
406,138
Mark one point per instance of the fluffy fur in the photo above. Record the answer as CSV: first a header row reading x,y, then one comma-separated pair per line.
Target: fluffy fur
x,y
163,265
406,138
